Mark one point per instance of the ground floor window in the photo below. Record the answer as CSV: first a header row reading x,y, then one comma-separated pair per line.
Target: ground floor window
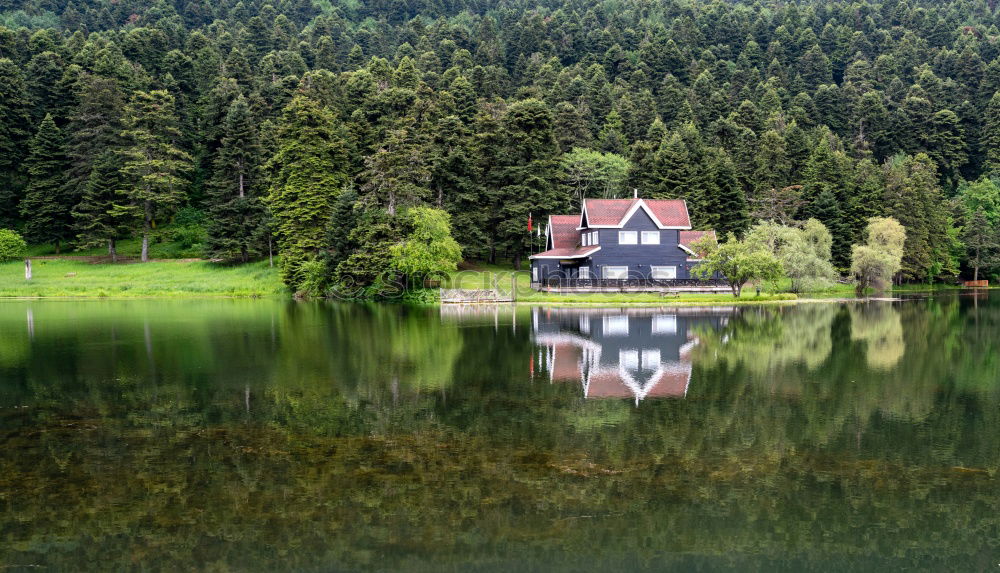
x,y
534,274
615,272
665,324
584,272
663,273
616,325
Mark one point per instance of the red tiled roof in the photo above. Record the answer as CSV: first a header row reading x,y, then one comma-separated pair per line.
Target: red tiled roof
x,y
563,231
669,212
563,253
673,383
566,362
608,384
607,211
688,237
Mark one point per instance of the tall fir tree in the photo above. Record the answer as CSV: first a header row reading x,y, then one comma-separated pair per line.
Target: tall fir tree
x,y
525,179
236,212
308,170
94,149
15,131
991,135
913,197
45,208
154,166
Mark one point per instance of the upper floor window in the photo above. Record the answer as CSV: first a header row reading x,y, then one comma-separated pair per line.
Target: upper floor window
x,y
628,238
586,239
594,237
650,237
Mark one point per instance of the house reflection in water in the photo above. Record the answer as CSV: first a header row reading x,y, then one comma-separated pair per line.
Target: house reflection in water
x,y
626,353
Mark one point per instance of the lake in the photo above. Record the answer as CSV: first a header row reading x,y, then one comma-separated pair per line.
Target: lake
x,y
237,435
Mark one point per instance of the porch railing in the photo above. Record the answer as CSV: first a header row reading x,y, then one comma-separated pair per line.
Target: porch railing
x,y
630,283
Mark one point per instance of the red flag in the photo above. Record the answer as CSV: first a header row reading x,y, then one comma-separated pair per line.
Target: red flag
x,y
529,222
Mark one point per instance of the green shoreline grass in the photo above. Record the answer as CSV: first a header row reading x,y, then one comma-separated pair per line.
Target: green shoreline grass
x,y
159,279
68,278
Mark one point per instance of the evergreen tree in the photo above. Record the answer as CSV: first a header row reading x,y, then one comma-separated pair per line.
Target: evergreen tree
x,y
153,166
94,146
308,170
913,197
45,207
14,135
991,135
234,229
525,180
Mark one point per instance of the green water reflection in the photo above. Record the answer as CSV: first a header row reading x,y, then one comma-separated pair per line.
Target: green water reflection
x,y
267,435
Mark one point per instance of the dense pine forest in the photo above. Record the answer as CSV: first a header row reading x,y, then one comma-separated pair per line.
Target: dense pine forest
x,y
353,139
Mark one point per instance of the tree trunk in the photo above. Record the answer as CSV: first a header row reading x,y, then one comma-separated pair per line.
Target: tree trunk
x,y
975,273
113,250
392,204
241,183
493,255
146,226
270,252
517,261
57,246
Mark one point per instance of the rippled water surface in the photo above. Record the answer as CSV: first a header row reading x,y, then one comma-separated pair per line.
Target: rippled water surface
x,y
268,435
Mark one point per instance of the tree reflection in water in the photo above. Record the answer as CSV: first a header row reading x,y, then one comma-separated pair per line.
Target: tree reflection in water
x,y
266,435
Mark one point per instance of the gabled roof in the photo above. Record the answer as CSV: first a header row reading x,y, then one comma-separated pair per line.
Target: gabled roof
x,y
562,229
688,237
666,213
567,253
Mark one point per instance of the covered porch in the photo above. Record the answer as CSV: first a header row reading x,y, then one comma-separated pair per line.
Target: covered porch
x,y
557,284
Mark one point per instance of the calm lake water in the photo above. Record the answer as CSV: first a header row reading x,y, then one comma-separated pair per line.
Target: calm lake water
x,y
230,435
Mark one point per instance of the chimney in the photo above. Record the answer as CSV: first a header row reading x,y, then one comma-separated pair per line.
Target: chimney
x,y
635,193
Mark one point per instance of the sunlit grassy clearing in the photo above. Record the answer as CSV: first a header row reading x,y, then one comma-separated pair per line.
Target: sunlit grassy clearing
x,y
64,278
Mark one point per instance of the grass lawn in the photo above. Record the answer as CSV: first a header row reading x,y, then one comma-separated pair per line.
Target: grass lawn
x,y
68,278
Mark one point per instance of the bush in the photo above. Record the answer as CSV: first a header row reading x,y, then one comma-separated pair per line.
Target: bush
x,y
12,246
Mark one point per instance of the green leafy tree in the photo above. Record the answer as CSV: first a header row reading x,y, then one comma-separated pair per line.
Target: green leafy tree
x,y
804,252
12,246
874,263
427,248
590,173
154,166
739,262
45,207
308,171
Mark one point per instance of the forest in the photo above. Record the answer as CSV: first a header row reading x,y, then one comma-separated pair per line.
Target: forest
x,y
355,139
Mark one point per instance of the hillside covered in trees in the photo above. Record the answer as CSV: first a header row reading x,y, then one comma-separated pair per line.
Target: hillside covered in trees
x,y
347,136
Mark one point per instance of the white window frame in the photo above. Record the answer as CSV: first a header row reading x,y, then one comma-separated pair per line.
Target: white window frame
x,y
650,358
664,324
586,239
534,274
584,272
628,238
616,325
628,359
667,269
650,237
608,270
595,238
